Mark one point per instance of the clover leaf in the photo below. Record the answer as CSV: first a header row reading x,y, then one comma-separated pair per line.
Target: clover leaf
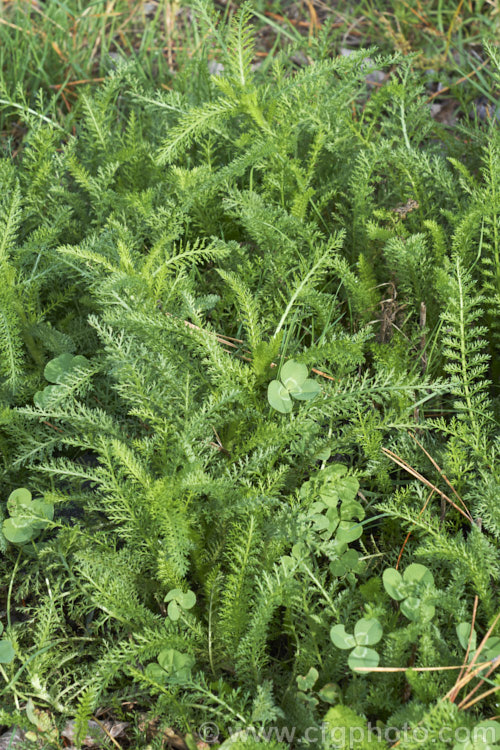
x,y
336,487
347,562
42,399
27,516
17,530
173,667
305,685
179,600
463,635
341,639
348,531
279,397
18,498
7,653
490,650
55,372
330,693
293,375
367,632
408,589
335,512
58,368
307,682
44,725
293,382
484,736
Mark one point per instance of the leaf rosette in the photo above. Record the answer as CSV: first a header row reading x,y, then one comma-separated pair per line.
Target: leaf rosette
x,y
410,589
172,667
293,383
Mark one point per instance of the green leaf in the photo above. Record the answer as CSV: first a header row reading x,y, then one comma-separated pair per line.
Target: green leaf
x,y
288,564
307,682
323,454
368,631
329,497
190,742
177,665
293,375
492,648
347,487
337,547
348,532
330,693
492,726
79,361
414,609
58,367
172,594
173,610
338,487
31,712
18,498
334,472
484,736
42,399
156,673
323,523
348,561
343,718
463,634
7,653
17,530
487,732
416,573
278,397
340,638
394,584
299,550
27,516
363,657
350,509
187,600
44,513
308,391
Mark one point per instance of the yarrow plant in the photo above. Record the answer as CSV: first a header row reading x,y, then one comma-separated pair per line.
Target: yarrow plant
x,y
246,396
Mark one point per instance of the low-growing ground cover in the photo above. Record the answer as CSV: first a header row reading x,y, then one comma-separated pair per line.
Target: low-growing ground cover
x,y
248,356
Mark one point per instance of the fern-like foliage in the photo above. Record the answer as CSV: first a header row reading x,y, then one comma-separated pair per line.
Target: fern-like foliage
x,y
188,244
11,351
467,360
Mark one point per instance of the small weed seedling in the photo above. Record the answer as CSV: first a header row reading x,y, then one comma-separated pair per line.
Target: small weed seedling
x,y
293,383
409,589
173,667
